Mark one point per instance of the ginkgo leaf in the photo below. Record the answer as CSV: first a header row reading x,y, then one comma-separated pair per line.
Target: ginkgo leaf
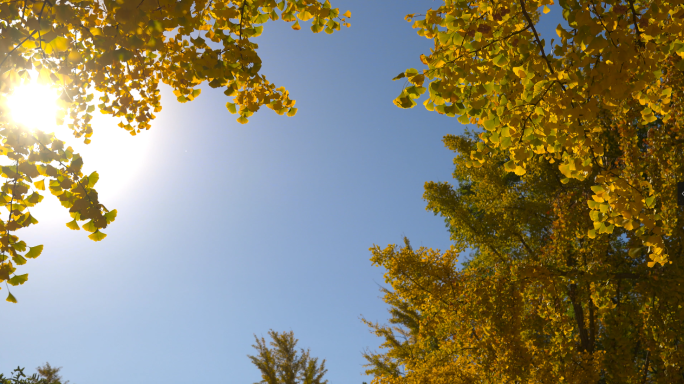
x,y
73,225
11,298
110,216
97,236
60,43
18,279
500,60
34,252
19,259
90,226
92,179
231,107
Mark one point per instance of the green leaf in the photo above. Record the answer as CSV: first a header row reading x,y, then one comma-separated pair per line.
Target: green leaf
x,y
11,298
110,216
411,72
680,65
97,236
678,46
90,226
123,54
19,246
292,112
650,201
231,107
404,102
18,279
19,259
92,179
491,123
399,76
414,92
500,60
34,252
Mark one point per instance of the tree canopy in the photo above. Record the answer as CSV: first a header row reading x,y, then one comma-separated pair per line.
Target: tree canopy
x,y
283,364
46,375
585,100
112,56
532,302
567,263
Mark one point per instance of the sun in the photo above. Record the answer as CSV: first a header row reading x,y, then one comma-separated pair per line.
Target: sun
x,y
34,106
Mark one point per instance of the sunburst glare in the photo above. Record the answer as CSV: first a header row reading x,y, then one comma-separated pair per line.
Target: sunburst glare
x,y
34,106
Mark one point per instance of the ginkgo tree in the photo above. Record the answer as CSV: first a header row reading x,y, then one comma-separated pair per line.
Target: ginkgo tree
x,y
522,296
610,78
111,56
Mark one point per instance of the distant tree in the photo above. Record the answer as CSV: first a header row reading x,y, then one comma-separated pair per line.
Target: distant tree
x,y
47,374
19,377
50,374
283,364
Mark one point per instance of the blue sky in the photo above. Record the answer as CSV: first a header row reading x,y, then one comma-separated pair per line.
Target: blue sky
x,y
225,230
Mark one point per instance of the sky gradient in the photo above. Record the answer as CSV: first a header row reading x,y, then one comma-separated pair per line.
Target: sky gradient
x,y
227,230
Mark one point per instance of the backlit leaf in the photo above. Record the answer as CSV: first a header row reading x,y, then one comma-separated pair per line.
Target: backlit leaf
x,y
18,279
34,252
97,236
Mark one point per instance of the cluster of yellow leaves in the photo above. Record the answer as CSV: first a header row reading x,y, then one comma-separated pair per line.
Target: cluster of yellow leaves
x,y
531,301
612,81
121,50
40,161
125,48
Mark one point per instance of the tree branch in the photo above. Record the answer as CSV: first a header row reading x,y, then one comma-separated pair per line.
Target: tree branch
x,y
648,356
634,19
579,318
536,35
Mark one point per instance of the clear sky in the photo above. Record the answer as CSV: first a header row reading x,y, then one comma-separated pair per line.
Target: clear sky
x,y
227,230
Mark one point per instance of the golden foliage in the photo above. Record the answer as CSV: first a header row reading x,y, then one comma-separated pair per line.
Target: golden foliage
x,y
611,81
121,50
535,300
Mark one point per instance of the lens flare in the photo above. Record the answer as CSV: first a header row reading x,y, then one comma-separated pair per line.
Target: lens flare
x,y
34,106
